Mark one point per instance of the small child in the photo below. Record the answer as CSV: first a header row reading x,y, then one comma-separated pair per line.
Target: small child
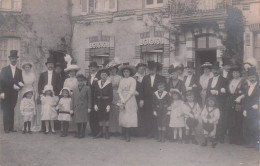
x,y
191,121
210,116
161,101
64,110
27,108
177,114
81,100
49,113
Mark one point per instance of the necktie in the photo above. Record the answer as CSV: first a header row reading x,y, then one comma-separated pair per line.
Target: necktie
x,y
160,94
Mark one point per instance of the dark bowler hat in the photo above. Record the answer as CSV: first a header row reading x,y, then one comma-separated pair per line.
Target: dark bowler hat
x,y
153,64
226,61
206,65
58,64
190,65
50,60
104,70
93,64
172,69
13,54
141,65
216,65
252,72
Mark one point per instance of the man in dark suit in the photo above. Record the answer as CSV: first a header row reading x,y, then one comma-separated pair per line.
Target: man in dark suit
x,y
11,83
92,82
191,82
47,77
148,87
251,110
60,78
217,87
226,64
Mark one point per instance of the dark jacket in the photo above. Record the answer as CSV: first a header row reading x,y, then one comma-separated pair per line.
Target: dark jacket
x,y
103,96
43,80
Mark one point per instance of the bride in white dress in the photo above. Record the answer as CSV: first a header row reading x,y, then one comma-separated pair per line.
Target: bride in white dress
x,y
29,79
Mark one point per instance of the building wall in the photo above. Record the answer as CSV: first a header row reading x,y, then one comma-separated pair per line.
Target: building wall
x,y
40,26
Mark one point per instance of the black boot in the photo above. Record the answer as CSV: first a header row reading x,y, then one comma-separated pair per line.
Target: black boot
x,y
123,135
24,126
83,130
187,139
29,127
193,140
127,135
159,136
163,136
214,142
205,143
106,133
77,135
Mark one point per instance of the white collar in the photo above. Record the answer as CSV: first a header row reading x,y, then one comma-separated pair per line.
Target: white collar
x,y
50,72
12,67
105,84
253,85
152,75
93,75
163,94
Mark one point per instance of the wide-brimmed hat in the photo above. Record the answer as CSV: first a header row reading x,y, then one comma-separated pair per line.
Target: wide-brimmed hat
x,y
112,64
93,64
13,54
153,64
48,88
216,65
206,65
50,60
127,67
65,88
172,69
72,67
226,61
252,72
26,63
190,65
180,66
58,64
141,65
26,91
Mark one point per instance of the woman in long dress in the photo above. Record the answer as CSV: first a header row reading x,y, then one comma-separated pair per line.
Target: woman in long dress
x,y
204,80
29,78
128,105
114,112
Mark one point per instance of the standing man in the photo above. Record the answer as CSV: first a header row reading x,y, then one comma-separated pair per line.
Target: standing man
x,y
47,77
226,69
92,82
60,78
217,87
11,83
148,87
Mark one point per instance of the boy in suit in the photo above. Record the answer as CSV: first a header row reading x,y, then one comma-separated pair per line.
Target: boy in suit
x,y
11,83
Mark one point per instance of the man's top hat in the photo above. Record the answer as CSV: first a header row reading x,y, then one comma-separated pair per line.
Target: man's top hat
x,y
153,64
206,65
252,71
216,65
226,61
13,54
50,60
93,64
190,65
172,69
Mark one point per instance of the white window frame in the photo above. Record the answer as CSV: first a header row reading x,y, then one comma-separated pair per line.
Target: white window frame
x,y
105,6
84,12
154,5
14,5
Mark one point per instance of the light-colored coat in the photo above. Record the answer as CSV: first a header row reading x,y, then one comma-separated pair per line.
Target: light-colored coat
x,y
81,102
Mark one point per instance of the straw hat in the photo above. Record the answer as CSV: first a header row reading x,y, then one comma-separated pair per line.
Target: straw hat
x,y
127,67
206,65
72,67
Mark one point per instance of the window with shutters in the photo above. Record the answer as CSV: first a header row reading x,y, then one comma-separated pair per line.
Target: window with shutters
x,y
11,5
105,5
84,6
6,45
257,46
153,3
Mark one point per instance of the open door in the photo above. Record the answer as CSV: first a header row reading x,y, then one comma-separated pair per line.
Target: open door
x,y
203,56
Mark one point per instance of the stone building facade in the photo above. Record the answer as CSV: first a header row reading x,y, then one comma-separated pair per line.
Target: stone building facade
x,y
33,28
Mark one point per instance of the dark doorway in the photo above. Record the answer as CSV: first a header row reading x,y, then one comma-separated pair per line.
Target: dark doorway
x,y
202,56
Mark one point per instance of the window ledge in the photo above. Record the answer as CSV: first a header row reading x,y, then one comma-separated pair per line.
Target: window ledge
x,y
10,10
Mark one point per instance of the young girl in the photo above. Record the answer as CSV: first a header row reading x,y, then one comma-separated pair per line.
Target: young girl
x,y
210,116
49,113
177,113
64,110
191,121
81,103
27,108
161,101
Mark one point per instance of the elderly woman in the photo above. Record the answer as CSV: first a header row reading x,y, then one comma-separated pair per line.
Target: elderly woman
x,y
204,80
114,112
29,78
236,93
128,111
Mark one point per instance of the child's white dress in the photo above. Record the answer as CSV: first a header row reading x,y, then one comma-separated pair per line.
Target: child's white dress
x,y
177,117
27,108
48,108
64,108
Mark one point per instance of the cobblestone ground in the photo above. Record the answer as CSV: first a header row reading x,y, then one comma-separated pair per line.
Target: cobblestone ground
x,y
17,149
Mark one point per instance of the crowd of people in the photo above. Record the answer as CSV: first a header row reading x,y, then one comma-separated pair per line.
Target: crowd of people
x,y
121,99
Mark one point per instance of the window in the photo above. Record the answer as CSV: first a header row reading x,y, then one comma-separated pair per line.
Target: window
x,y
100,59
105,5
153,56
153,3
11,5
6,45
207,41
84,6
257,46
